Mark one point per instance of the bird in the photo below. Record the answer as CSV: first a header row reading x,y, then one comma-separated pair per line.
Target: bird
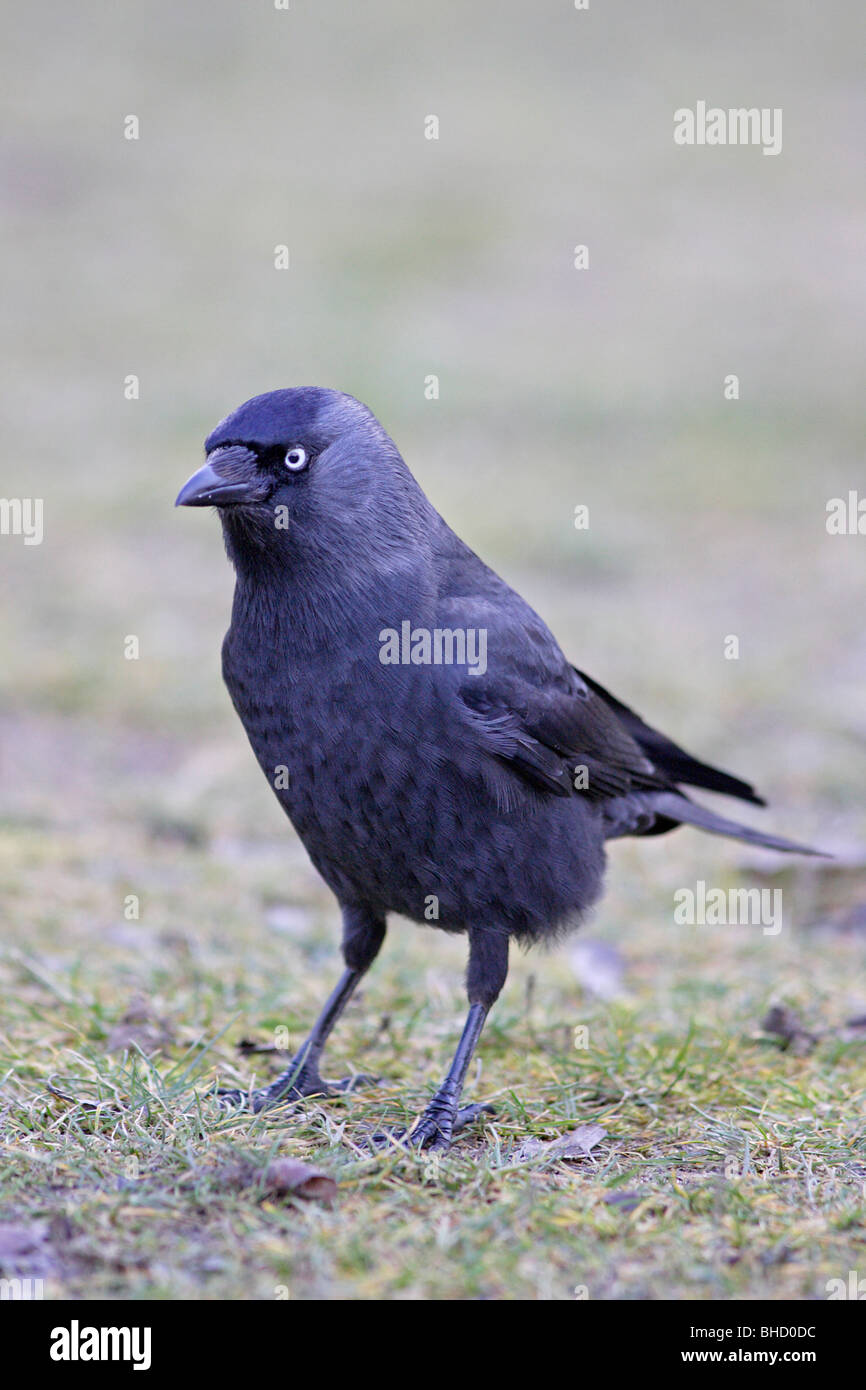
x,y
436,752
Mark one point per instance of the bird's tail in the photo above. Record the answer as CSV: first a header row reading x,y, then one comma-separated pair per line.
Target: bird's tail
x,y
680,808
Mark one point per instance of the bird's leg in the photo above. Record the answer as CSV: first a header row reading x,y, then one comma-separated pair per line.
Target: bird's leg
x,y
443,1117
363,934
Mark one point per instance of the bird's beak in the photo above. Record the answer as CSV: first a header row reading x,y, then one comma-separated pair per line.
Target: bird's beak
x,y
227,478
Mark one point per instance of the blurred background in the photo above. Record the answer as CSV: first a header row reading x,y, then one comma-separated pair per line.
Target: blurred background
x,y
409,258
452,257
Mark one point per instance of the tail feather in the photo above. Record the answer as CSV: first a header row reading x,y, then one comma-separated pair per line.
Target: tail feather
x,y
679,808
669,757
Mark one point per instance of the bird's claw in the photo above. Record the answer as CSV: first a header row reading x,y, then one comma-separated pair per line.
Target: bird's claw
x,y
467,1113
307,1085
264,1097
434,1130
354,1083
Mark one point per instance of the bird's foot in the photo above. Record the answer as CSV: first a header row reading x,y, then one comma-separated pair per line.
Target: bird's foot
x,y
434,1129
289,1089
354,1083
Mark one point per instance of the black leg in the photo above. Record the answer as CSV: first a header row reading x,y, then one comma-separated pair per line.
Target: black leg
x,y
301,1077
363,934
488,967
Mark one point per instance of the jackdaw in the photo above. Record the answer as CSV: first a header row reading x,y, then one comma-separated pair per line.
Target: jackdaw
x,y
436,753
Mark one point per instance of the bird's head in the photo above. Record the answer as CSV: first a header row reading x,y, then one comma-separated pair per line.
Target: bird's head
x,y
307,471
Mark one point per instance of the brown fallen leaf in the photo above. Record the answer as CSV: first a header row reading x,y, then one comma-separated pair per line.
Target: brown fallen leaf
x,y
625,1201
282,1177
291,1176
139,1027
21,1240
249,1047
574,1145
784,1024
25,1251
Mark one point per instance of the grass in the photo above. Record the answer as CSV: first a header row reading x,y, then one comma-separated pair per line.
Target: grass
x,y
157,910
731,1167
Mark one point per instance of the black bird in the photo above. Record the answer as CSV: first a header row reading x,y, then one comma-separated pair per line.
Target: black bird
x,y
435,751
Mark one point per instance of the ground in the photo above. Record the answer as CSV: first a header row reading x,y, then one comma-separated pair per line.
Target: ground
x,y
161,922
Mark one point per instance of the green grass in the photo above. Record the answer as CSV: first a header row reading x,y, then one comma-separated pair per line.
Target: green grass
x,y
122,778
731,1168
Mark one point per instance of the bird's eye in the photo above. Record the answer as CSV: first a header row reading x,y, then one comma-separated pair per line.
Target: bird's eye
x,y
296,458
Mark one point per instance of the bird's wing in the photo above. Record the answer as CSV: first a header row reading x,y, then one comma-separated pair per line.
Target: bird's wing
x,y
564,734
668,757
560,741
533,712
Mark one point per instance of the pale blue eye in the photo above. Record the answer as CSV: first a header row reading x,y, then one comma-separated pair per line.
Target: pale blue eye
x,y
296,458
